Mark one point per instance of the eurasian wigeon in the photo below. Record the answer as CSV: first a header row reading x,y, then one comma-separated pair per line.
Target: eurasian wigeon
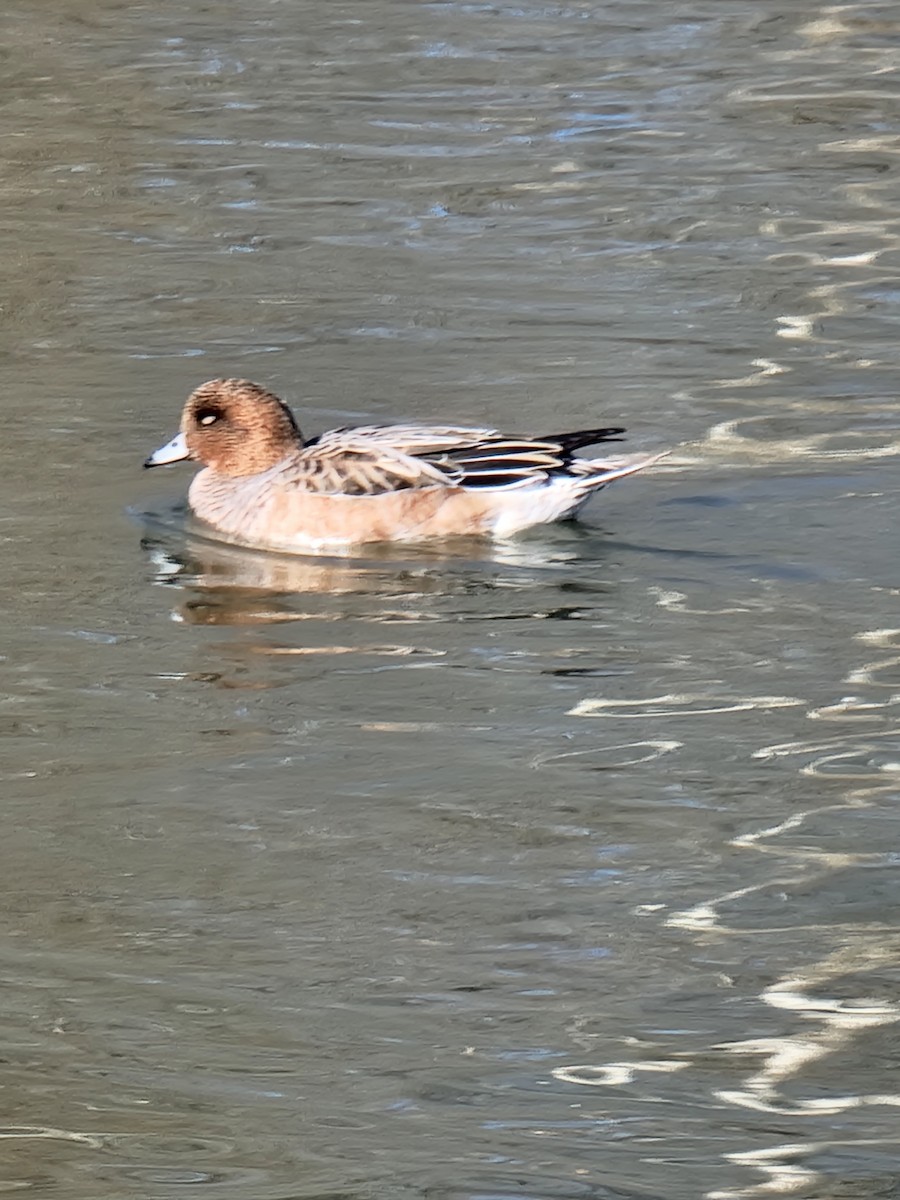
x,y
264,485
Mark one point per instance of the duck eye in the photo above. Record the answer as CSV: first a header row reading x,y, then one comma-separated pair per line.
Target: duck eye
x,y
208,416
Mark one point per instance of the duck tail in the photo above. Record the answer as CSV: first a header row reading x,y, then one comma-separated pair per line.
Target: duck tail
x,y
590,475
570,442
597,473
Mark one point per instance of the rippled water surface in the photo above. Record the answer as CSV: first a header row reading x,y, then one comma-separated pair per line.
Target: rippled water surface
x,y
563,870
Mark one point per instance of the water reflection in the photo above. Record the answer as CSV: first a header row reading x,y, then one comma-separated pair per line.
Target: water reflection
x,y
234,585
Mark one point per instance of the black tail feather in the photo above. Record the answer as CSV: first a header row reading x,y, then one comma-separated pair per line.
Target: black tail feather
x,y
583,437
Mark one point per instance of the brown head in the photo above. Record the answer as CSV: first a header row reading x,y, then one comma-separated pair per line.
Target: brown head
x,y
233,426
237,427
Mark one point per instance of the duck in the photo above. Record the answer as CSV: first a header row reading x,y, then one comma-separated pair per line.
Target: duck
x,y
264,485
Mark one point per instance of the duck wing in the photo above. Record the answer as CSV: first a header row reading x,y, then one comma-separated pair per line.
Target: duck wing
x,y
372,459
413,439
499,461
369,461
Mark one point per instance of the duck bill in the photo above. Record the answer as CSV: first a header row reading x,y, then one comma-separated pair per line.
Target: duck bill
x,y
173,452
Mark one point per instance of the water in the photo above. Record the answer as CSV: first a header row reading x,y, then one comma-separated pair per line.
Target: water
x,y
562,870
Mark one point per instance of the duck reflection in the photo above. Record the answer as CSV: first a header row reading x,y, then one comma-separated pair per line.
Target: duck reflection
x,y
220,584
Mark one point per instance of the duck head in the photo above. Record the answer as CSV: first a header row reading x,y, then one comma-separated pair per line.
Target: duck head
x,y
233,426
